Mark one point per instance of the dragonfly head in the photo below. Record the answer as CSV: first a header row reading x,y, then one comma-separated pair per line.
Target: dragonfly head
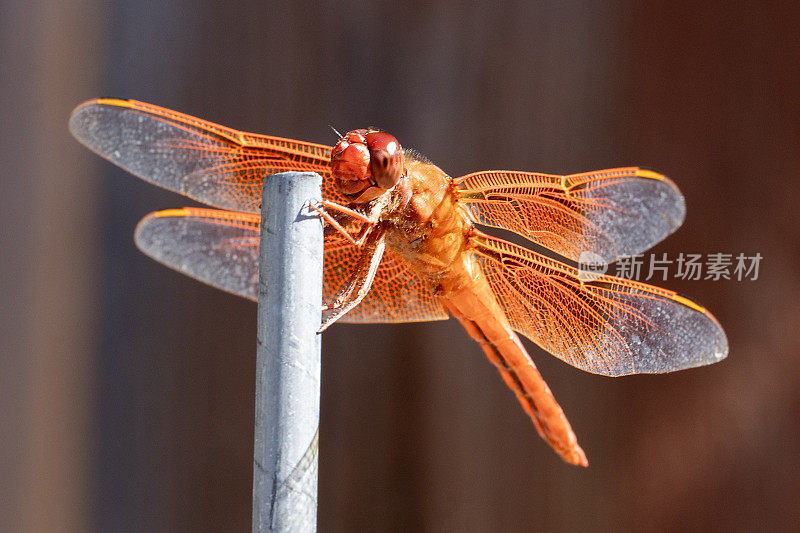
x,y
366,164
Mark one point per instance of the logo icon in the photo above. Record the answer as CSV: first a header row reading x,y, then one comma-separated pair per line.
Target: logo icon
x,y
591,267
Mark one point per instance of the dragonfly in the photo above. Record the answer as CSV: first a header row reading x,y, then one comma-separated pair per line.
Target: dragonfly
x,y
406,242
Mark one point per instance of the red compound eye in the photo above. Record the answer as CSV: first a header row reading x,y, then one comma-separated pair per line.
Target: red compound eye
x,y
386,158
350,162
363,160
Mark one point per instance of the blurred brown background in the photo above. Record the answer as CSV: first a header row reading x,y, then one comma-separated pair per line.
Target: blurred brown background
x,y
126,390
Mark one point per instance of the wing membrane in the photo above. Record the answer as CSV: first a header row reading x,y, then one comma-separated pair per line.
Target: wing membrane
x,y
221,248
210,163
216,247
609,326
398,294
592,217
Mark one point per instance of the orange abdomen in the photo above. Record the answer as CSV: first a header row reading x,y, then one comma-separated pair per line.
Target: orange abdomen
x,y
433,234
467,295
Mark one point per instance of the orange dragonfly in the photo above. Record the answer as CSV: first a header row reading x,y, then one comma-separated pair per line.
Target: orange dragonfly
x,y
401,244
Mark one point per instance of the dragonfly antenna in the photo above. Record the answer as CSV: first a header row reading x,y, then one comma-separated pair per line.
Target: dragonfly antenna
x,y
336,131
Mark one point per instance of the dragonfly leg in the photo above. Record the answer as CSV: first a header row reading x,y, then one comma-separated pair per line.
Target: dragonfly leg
x,y
352,213
325,209
360,280
333,223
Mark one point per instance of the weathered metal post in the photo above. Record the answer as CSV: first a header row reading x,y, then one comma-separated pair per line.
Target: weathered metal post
x,y
288,363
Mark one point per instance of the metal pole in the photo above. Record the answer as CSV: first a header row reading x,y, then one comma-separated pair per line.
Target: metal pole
x,y
288,362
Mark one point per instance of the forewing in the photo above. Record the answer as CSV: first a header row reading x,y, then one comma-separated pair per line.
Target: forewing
x,y
220,248
609,326
592,217
212,164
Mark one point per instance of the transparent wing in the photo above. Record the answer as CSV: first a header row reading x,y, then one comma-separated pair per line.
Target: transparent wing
x,y
212,164
398,294
609,326
221,248
592,217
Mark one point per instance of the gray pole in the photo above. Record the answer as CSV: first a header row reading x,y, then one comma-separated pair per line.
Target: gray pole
x,y
288,362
